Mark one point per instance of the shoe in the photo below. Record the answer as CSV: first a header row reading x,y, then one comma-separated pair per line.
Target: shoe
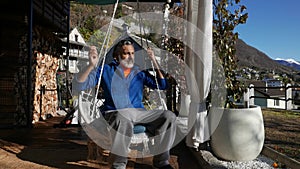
x,y
168,166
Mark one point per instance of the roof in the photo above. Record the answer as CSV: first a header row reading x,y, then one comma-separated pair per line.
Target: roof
x,y
75,38
268,92
106,2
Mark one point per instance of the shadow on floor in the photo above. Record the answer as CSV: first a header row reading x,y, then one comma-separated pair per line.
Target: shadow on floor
x,y
66,148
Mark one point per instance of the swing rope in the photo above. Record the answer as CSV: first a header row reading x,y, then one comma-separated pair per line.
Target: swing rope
x,y
105,43
162,101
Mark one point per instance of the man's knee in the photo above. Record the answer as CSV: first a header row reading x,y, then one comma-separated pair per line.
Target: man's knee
x,y
169,115
122,124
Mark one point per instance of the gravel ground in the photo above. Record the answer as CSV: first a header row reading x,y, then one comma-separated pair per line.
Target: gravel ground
x,y
261,162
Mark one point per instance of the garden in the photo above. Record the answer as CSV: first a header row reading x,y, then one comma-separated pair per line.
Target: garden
x,y
282,131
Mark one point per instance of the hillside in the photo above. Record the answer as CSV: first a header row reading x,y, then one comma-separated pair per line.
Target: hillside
x,y
290,63
249,56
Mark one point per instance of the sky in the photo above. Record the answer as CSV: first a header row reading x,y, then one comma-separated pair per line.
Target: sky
x,y
273,27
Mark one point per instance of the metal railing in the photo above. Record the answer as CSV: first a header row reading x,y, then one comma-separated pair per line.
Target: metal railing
x,y
285,98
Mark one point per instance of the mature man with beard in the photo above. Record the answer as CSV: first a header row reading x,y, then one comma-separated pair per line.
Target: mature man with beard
x,y
123,83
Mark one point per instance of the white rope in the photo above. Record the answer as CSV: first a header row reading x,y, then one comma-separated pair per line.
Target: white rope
x,y
162,101
106,42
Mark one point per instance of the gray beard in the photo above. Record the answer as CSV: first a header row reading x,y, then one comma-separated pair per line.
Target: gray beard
x,y
127,63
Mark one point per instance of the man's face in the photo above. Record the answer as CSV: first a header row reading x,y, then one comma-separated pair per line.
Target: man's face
x,y
126,57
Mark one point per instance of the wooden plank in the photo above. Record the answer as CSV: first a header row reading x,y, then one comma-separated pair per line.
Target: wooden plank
x,y
7,101
7,109
7,97
7,119
282,158
51,14
38,4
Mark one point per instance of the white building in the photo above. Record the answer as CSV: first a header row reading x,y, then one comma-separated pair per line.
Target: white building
x,y
273,83
78,51
271,97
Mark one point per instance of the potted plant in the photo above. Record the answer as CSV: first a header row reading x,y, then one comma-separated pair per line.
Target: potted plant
x,y
237,131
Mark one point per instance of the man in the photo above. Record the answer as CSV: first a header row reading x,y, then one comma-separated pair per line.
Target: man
x,y
123,83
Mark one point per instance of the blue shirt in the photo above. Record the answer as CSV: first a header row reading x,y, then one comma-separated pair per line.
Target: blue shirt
x,y
121,92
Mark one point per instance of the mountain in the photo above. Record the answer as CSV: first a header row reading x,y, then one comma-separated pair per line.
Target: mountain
x,y
249,56
289,62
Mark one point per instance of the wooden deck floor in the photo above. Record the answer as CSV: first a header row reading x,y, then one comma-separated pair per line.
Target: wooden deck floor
x,y
44,147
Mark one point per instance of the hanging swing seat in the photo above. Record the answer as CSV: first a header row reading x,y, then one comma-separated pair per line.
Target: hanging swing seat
x,y
94,123
89,104
87,100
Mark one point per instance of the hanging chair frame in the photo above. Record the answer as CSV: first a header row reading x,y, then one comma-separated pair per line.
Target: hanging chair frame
x,y
88,100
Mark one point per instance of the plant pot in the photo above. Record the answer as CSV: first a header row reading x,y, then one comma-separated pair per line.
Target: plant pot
x,y
237,134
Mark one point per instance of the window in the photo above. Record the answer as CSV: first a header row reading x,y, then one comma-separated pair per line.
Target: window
x,y
276,102
76,38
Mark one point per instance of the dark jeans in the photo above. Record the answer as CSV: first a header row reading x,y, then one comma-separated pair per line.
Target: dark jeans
x,y
160,123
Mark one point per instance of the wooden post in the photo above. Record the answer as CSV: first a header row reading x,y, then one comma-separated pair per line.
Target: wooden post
x,y
251,94
68,58
288,97
29,66
42,91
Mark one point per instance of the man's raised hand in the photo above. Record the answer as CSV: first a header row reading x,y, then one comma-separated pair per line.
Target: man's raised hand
x,y
93,56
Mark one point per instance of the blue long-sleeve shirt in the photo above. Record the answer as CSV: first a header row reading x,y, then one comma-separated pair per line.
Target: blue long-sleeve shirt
x,y
121,92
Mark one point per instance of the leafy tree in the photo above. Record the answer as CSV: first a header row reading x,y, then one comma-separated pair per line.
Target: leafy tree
x,y
227,15
88,18
119,12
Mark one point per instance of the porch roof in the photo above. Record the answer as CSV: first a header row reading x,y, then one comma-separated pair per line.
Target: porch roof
x,y
106,2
